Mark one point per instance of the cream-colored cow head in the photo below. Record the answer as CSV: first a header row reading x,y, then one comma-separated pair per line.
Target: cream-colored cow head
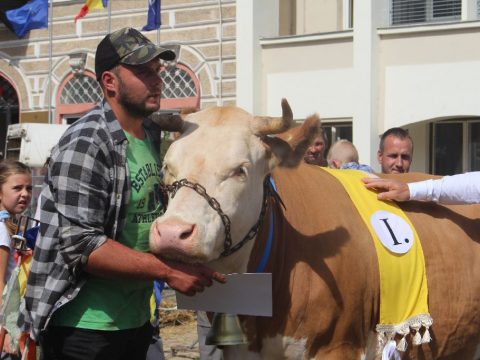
x,y
228,152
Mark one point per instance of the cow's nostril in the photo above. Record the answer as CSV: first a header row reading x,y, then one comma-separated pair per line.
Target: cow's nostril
x,y
186,233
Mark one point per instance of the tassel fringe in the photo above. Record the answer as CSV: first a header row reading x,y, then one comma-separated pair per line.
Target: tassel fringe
x,y
402,344
417,338
410,327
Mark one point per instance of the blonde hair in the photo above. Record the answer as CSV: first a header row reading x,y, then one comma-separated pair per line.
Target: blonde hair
x,y
343,151
8,168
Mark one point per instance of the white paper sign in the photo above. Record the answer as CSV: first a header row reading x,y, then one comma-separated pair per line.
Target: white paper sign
x,y
243,294
393,231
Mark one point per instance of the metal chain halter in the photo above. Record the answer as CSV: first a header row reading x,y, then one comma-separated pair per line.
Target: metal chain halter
x,y
214,204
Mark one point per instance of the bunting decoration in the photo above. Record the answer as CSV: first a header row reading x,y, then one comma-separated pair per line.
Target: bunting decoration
x,y
153,17
21,16
91,5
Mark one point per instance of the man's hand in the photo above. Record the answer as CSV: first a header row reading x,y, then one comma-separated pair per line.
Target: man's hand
x,y
186,278
190,278
388,189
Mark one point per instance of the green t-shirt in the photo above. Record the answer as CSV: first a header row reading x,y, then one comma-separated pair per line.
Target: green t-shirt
x,y
117,304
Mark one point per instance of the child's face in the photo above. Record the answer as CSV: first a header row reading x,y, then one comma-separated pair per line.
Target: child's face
x,y
16,193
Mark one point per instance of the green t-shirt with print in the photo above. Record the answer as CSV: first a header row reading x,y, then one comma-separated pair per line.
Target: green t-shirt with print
x,y
117,304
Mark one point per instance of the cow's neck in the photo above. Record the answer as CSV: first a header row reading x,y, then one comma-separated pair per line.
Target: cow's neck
x,y
236,262
241,261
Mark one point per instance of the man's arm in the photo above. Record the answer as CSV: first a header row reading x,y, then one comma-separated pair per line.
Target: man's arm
x,y
456,189
113,259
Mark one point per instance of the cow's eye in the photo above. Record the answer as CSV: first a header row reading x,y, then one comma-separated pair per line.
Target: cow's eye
x,y
165,173
240,172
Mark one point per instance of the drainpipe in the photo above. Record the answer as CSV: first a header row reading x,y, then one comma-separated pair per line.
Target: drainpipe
x,y
50,62
220,92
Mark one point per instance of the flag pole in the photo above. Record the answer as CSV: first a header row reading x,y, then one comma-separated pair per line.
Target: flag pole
x,y
50,62
220,90
160,25
109,8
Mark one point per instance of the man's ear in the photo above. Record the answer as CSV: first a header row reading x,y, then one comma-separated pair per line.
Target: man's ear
x,y
108,80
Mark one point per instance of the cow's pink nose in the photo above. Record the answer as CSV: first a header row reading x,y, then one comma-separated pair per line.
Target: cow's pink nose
x,y
174,231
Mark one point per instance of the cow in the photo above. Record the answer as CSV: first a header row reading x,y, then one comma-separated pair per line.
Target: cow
x,y
323,262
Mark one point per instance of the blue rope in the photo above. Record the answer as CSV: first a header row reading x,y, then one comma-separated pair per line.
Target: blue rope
x,y
266,254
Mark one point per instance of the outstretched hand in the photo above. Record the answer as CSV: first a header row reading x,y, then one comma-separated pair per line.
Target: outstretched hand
x,y
388,189
191,278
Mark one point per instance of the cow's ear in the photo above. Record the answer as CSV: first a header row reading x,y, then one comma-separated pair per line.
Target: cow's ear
x,y
289,148
168,122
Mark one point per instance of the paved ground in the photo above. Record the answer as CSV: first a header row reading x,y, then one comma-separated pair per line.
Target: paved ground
x,y
178,330
180,341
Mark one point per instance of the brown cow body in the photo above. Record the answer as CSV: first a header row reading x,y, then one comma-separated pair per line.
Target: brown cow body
x,y
325,272
323,261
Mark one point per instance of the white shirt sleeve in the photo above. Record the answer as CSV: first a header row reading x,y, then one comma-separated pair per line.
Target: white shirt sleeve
x,y
5,241
4,236
455,189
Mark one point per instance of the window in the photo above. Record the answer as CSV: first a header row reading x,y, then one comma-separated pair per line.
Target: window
x,y
81,89
422,11
455,147
77,94
337,131
474,145
181,88
8,110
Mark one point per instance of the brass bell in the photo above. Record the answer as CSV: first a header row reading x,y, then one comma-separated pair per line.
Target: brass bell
x,y
225,330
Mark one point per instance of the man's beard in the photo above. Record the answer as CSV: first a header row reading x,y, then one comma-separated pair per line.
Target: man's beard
x,y
135,109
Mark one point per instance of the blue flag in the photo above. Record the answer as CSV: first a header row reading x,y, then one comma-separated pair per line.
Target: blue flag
x,y
32,15
153,19
105,3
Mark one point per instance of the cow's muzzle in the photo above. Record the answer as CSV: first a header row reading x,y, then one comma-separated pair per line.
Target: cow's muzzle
x,y
228,249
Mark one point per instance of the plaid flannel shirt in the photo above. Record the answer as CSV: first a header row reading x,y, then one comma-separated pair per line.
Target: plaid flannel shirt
x,y
83,202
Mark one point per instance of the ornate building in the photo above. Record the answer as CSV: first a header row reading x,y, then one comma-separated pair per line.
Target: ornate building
x,y
48,76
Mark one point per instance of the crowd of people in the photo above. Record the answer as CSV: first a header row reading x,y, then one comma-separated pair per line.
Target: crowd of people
x,y
88,211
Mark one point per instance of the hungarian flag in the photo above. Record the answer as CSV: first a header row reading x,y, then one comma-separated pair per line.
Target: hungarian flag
x,y
90,5
21,16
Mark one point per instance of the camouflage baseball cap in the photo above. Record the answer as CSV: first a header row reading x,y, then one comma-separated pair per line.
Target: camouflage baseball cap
x,y
127,46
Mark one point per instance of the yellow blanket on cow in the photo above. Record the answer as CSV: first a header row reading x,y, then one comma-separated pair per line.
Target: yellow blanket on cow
x,y
403,281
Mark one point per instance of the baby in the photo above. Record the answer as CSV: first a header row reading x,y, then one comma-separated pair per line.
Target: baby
x,y
344,155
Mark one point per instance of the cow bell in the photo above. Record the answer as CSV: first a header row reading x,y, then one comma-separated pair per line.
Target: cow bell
x,y
225,330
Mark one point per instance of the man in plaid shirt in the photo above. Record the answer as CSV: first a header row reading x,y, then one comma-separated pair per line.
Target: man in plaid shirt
x,y
91,278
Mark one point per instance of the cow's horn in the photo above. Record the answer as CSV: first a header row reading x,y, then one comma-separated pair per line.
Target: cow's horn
x,y
167,122
265,125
